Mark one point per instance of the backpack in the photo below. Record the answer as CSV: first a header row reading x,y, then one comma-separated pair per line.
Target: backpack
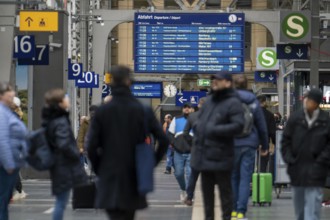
x,y
40,155
248,120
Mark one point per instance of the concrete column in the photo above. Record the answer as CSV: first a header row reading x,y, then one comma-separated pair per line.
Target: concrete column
x,y
7,23
258,32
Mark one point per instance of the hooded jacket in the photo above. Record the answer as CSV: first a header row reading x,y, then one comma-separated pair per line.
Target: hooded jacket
x,y
259,134
67,171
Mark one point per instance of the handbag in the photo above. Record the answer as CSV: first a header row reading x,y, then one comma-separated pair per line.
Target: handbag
x,y
145,163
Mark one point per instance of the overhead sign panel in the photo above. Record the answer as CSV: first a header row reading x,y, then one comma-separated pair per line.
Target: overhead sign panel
x,y
189,42
292,51
265,76
147,90
266,58
38,21
189,96
295,26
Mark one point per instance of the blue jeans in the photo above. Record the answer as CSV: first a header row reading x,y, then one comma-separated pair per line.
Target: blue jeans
x,y
307,202
241,177
7,184
60,205
169,158
182,166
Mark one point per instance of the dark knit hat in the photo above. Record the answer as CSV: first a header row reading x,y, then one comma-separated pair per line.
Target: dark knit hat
x,y
315,95
222,75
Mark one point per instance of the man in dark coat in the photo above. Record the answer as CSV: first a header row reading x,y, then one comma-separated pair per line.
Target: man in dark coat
x,y
118,126
246,147
306,150
220,119
271,128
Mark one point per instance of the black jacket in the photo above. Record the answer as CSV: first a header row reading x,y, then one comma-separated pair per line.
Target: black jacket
x,y
307,150
67,171
220,119
271,124
117,127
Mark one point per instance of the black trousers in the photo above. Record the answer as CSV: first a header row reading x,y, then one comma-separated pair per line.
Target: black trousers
x,y
121,214
223,180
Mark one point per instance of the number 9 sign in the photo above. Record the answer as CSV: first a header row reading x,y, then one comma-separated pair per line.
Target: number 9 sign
x,y
74,70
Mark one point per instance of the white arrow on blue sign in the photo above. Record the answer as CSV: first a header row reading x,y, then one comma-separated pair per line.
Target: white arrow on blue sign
x,y
189,96
265,76
292,51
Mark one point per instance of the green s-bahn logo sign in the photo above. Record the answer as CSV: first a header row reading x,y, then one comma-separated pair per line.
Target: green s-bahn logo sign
x,y
295,27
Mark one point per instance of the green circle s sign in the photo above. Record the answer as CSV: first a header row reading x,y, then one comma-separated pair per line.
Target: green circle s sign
x,y
295,26
267,58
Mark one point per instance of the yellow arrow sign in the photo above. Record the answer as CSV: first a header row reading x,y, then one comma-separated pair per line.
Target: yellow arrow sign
x,y
38,21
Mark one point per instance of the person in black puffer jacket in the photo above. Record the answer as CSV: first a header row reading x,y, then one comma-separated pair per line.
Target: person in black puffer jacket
x,y
67,171
219,121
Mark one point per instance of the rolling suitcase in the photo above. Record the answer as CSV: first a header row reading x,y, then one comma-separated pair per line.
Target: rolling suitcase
x,y
262,184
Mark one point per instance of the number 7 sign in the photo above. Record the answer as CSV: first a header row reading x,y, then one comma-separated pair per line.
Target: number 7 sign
x,y
41,57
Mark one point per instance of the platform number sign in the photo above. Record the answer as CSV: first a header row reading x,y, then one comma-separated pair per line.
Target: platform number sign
x,y
75,70
295,26
41,56
24,46
88,80
106,90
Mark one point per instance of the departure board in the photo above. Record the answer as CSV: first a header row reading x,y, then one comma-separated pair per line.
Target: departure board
x,y
189,42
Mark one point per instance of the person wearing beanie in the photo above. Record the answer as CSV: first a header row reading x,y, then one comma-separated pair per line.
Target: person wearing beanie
x,y
306,150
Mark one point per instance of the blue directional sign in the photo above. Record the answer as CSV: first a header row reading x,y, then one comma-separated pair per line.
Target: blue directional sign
x,y
147,89
41,57
75,70
265,76
189,42
24,46
189,96
292,51
88,80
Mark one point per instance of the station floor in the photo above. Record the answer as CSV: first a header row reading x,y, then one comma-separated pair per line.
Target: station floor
x,y
164,204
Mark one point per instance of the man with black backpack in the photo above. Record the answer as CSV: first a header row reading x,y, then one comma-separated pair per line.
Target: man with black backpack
x,y
246,144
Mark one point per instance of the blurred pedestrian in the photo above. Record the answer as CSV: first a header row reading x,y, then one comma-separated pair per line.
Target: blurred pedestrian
x,y
246,147
306,150
67,171
18,192
117,128
82,132
169,154
188,133
182,150
220,120
13,147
